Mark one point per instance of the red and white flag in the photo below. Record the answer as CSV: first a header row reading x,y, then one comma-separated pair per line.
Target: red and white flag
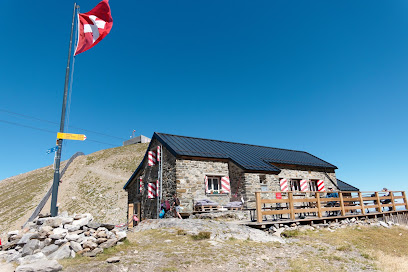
x,y
93,26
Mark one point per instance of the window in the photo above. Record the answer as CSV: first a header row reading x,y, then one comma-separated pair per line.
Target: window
x,y
295,184
214,184
313,185
262,179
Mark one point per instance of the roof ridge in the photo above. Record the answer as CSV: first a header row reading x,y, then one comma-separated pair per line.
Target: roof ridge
x,y
237,143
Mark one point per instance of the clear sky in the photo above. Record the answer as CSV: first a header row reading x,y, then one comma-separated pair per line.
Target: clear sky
x,y
326,77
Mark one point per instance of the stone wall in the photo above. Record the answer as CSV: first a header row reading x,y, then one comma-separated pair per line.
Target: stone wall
x,y
187,177
237,180
150,174
190,178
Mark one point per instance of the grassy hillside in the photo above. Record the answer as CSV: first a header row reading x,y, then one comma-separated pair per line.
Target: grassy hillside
x,y
92,183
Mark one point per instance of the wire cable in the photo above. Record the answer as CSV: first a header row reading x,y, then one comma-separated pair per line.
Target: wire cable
x,y
55,123
49,131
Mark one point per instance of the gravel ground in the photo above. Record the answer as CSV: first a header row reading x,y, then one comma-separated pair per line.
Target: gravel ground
x,y
171,245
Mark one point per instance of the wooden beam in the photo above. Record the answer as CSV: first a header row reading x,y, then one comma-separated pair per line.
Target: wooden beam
x,y
343,211
319,206
392,200
405,200
361,203
291,206
379,209
130,214
258,207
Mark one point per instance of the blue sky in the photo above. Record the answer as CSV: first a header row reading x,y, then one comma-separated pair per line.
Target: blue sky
x,y
326,77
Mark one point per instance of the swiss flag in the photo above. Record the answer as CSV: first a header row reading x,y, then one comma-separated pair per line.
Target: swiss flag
x,y
93,26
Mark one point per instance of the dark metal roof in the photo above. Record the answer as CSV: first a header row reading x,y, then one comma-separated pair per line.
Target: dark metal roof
x,y
343,186
249,157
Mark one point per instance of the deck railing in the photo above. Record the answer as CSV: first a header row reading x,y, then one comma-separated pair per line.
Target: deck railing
x,y
347,203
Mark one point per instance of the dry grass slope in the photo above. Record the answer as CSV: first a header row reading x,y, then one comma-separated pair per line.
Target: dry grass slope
x,y
351,249
93,183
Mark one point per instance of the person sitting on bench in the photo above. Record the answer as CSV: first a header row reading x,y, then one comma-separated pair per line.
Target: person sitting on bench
x,y
386,201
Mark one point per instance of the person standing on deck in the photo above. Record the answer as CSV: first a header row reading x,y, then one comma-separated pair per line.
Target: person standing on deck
x,y
175,205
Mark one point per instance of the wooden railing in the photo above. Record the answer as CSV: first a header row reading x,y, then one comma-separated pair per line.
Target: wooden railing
x,y
292,203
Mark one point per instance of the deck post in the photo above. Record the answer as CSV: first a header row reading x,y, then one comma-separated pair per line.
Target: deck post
x,y
392,200
405,200
361,203
319,205
258,207
343,212
291,206
379,209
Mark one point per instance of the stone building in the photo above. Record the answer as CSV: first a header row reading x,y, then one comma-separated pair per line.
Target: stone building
x,y
195,168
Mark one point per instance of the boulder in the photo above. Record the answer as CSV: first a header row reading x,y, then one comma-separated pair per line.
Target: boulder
x,y
54,222
121,235
31,258
30,246
60,241
101,240
26,237
41,265
81,222
75,246
49,249
89,244
71,228
10,245
113,260
93,225
101,234
58,233
94,252
72,237
109,243
62,253
46,228
47,241
12,233
15,237
66,220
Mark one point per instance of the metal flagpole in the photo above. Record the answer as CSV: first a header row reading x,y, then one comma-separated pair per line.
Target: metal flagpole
x,y
161,172
159,186
57,159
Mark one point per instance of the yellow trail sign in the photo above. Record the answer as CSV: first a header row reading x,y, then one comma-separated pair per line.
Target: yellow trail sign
x,y
70,136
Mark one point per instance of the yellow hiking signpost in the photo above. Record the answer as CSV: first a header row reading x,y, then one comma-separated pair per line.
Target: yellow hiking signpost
x,y
70,136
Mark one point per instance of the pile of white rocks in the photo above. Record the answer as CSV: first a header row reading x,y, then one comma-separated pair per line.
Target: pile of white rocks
x,y
279,229
63,236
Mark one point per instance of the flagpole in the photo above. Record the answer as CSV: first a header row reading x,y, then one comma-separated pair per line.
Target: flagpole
x,y
57,159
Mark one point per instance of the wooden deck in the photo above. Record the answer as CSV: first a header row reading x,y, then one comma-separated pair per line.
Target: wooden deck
x,y
400,216
310,207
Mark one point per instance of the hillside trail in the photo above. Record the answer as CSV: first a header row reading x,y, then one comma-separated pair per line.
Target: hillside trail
x,y
92,183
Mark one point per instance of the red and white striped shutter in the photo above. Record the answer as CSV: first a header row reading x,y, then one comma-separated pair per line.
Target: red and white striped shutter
x,y
225,184
320,185
158,153
141,185
152,158
303,185
157,188
284,185
151,190
206,184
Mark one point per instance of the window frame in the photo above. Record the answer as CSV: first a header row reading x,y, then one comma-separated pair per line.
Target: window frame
x,y
210,189
295,183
